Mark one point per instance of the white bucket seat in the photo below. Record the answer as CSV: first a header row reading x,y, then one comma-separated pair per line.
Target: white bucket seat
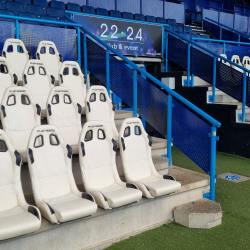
x,y
98,166
19,115
135,149
54,188
65,114
223,61
236,59
72,77
99,107
16,216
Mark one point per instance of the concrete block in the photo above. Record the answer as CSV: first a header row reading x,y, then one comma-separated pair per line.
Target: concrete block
x,y
203,213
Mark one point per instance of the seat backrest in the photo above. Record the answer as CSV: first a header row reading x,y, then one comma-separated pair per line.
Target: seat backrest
x,y
48,53
139,17
24,2
42,3
177,28
14,6
57,4
246,61
10,163
196,36
49,159
223,61
100,108
101,11
73,7
6,12
187,30
185,35
205,36
1,6
127,15
161,20
236,59
115,13
35,9
50,11
29,15
72,77
88,9
97,156
19,115
38,80
64,113
151,19
7,77
16,53
171,21
135,148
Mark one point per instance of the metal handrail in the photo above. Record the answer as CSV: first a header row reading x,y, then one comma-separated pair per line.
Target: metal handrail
x,y
222,9
159,83
219,41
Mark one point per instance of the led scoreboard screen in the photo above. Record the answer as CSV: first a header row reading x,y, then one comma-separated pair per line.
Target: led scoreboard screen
x,y
128,38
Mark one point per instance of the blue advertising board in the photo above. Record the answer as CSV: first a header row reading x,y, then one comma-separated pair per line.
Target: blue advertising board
x,y
128,38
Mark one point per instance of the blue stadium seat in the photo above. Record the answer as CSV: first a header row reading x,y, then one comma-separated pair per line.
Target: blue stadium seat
x,y
24,2
115,13
50,11
196,36
29,15
161,20
139,17
199,17
205,36
88,9
42,3
177,28
57,4
102,12
14,6
7,12
127,15
50,18
187,30
151,19
73,7
187,18
35,9
171,21
185,35
1,6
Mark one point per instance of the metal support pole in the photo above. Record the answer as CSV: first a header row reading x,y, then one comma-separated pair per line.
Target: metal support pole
x,y
220,33
166,54
135,92
169,131
224,48
214,79
239,39
79,46
213,163
85,66
188,65
17,30
244,97
107,72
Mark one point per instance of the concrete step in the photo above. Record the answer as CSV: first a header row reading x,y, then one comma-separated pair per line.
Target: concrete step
x,y
89,233
203,213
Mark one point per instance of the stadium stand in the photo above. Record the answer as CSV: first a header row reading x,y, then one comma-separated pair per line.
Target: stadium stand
x,y
98,166
50,169
17,217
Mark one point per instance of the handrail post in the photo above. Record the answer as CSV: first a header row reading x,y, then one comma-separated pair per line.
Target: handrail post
x,y
17,30
244,97
213,163
224,48
220,32
239,39
79,46
135,92
188,65
85,58
214,79
166,54
169,130
107,72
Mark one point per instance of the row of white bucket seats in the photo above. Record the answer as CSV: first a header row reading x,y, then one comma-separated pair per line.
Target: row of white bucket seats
x,y
40,75
20,114
55,192
236,59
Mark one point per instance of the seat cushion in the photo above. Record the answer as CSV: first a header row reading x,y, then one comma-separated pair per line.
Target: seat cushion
x,y
158,187
16,222
118,196
71,207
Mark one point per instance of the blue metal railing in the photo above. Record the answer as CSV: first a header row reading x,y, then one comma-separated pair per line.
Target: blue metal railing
x,y
216,56
170,93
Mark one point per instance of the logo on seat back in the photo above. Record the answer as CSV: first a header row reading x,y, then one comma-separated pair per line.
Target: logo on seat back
x,y
15,91
46,130
133,123
15,42
36,63
97,89
48,44
95,126
61,91
73,65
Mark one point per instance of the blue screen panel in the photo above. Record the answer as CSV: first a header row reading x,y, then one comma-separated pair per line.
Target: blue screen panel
x,y
175,11
155,9
106,4
6,31
129,6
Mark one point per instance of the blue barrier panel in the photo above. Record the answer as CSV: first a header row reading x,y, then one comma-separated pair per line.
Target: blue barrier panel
x,y
241,51
215,47
152,105
175,11
227,19
248,92
229,80
177,51
213,28
152,9
241,23
106,4
64,39
133,6
191,135
229,35
7,30
213,14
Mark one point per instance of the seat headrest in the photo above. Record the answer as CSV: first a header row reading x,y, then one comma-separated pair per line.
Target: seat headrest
x,y
94,94
132,127
47,44
35,64
70,65
15,43
60,95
